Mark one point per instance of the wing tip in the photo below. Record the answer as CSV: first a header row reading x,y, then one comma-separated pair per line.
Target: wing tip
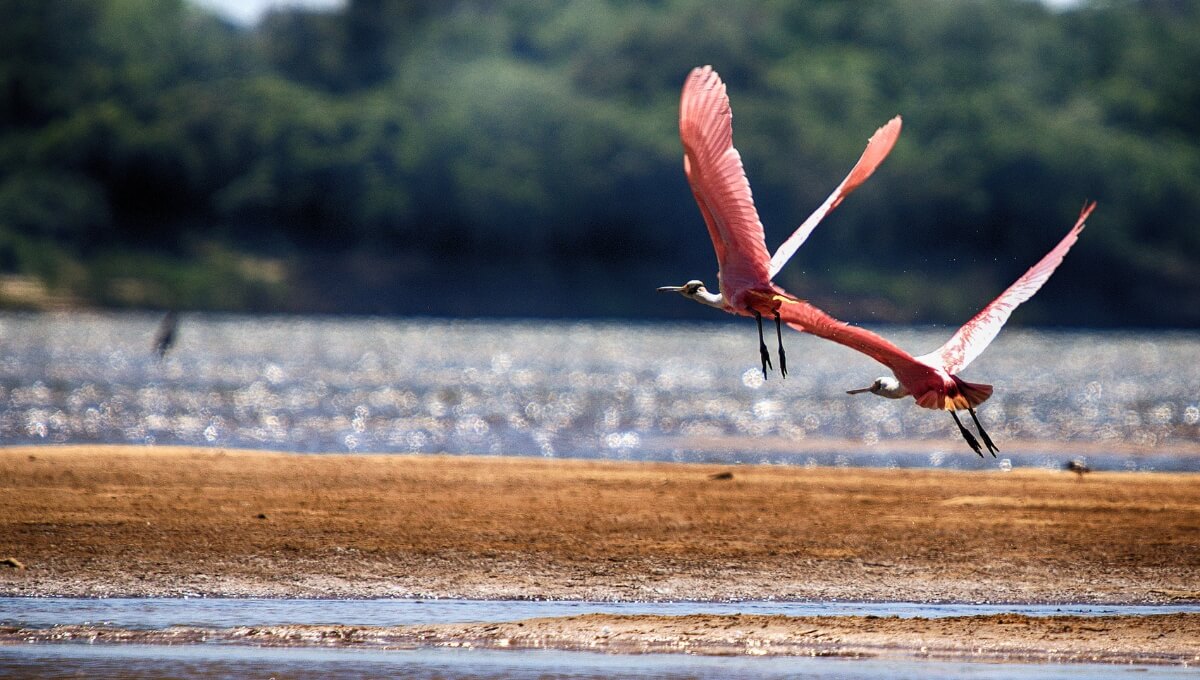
x,y
705,114
702,78
1081,221
890,128
1084,214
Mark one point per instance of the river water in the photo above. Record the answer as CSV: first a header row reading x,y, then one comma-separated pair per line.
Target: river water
x,y
160,613
216,660
137,662
682,392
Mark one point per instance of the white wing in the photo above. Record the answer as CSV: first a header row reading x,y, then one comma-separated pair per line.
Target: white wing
x,y
878,147
974,337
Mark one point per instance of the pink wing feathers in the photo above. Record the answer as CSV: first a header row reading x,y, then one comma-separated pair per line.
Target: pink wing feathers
x,y
806,318
878,148
974,337
714,171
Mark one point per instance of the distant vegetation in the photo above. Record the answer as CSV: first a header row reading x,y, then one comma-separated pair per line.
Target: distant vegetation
x,y
464,158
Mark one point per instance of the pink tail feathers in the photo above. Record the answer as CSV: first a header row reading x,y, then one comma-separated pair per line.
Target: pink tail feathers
x,y
962,396
975,393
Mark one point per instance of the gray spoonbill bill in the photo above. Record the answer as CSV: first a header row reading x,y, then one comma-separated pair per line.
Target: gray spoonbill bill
x,y
714,171
932,379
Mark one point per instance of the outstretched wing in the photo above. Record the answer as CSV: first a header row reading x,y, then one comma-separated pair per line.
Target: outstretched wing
x,y
974,337
878,147
806,318
714,170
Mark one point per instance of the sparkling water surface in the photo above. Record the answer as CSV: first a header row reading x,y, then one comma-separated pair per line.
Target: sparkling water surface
x,y
224,661
159,613
684,392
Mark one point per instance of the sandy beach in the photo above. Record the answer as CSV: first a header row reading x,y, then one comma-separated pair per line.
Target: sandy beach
x,y
127,521
92,521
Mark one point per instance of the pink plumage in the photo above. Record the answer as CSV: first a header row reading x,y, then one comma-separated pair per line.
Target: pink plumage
x,y
714,170
718,181
931,378
975,335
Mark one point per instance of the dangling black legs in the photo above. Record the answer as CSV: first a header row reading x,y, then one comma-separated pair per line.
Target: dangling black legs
x,y
779,337
986,439
763,354
971,441
974,443
762,347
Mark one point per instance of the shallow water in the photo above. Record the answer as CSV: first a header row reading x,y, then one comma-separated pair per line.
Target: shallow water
x,y
220,661
158,613
684,392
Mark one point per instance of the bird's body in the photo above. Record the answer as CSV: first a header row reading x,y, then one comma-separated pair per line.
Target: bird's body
x,y
718,181
932,379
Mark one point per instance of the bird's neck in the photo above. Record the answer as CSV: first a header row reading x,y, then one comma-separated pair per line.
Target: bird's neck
x,y
711,299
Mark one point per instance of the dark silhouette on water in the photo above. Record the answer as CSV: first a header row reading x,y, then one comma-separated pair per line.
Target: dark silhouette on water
x,y
1078,466
165,337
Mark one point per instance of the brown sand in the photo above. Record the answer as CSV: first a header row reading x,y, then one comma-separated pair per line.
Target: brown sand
x,y
92,521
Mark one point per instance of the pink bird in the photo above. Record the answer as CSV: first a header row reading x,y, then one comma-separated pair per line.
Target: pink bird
x,y
932,379
714,171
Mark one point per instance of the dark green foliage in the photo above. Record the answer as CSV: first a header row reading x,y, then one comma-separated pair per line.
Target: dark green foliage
x,y
370,154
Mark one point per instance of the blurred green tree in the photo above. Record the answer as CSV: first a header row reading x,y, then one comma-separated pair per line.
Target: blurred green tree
x,y
541,136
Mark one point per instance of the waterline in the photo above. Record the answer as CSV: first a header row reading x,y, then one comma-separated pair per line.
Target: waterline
x,y
159,613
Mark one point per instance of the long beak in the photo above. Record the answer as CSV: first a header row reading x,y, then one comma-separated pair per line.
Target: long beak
x,y
865,389
670,289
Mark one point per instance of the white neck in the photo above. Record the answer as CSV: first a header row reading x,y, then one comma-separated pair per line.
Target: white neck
x,y
711,299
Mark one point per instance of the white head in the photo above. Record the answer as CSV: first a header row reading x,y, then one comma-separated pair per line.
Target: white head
x,y
885,387
695,290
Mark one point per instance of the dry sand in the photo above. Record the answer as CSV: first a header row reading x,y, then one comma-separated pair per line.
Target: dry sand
x,y
107,521
91,521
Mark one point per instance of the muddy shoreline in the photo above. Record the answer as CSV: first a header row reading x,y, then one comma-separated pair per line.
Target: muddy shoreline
x,y
150,522
1172,639
128,521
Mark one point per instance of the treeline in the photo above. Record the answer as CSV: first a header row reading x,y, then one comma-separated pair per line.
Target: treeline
x,y
446,157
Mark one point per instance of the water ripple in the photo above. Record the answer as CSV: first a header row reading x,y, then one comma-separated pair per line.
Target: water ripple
x,y
616,390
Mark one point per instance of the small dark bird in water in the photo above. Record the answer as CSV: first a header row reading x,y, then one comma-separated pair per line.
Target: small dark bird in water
x,y
1077,466
165,337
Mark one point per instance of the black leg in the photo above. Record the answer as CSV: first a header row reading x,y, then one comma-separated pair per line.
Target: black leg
x,y
779,337
762,347
971,441
986,439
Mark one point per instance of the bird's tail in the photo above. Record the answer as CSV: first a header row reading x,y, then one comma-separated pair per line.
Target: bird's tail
x,y
969,395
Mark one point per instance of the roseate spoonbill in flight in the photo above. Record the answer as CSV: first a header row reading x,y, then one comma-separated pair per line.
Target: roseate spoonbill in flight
x,y
714,171
932,379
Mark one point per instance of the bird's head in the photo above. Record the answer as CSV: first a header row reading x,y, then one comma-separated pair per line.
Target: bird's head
x,y
885,387
695,290
688,289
